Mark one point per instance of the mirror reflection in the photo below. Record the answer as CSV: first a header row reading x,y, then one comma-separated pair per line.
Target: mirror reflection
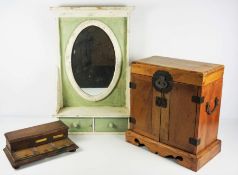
x,y
93,60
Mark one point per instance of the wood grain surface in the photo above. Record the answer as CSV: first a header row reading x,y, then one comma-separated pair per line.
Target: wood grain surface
x,y
188,160
38,142
207,125
189,121
141,102
26,133
26,156
183,71
182,116
36,135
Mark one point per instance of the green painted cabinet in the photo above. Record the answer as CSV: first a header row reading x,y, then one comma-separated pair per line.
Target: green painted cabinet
x,y
109,110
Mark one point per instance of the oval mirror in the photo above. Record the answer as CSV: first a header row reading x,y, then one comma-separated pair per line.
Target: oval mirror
x,y
94,60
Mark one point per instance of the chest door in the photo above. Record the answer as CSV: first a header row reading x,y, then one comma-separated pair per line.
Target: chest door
x,y
178,118
141,104
176,110
165,113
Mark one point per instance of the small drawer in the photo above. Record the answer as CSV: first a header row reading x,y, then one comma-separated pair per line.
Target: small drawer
x,y
79,124
111,124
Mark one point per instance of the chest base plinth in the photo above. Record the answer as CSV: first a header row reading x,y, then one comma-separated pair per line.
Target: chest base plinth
x,y
188,160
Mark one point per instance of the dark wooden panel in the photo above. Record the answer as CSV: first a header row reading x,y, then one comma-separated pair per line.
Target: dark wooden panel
x,y
207,125
37,142
182,115
35,136
29,155
27,133
141,104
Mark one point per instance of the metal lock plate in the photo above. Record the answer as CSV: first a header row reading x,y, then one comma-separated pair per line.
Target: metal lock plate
x,y
161,102
162,81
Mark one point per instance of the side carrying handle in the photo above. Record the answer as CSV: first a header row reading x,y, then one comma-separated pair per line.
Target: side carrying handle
x,y
208,107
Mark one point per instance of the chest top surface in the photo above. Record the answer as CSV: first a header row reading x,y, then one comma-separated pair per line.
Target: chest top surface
x,y
27,133
184,71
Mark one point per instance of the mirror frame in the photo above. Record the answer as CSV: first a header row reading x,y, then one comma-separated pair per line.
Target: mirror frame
x,y
118,60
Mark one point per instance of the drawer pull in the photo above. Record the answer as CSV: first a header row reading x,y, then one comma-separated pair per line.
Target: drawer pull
x,y
41,140
208,107
111,125
75,125
58,136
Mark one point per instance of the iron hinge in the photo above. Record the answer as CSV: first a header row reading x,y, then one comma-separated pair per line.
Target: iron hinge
x,y
161,102
132,85
194,141
132,120
197,99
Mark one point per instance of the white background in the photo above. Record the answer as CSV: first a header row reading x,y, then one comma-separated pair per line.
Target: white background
x,y
204,30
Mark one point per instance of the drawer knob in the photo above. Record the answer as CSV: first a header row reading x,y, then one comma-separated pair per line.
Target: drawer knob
x,y
111,125
75,125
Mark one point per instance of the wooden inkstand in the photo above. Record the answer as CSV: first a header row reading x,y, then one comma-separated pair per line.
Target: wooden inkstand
x,y
35,143
175,106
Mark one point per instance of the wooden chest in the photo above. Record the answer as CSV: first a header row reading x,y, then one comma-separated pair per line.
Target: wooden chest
x,y
175,104
30,144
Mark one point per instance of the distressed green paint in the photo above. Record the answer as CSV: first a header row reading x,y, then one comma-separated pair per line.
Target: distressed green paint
x,y
117,97
111,124
83,124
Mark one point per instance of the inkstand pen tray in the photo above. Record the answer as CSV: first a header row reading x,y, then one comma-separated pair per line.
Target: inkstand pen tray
x,y
35,143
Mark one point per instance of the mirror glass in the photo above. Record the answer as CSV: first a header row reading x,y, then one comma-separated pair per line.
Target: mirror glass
x,y
93,60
